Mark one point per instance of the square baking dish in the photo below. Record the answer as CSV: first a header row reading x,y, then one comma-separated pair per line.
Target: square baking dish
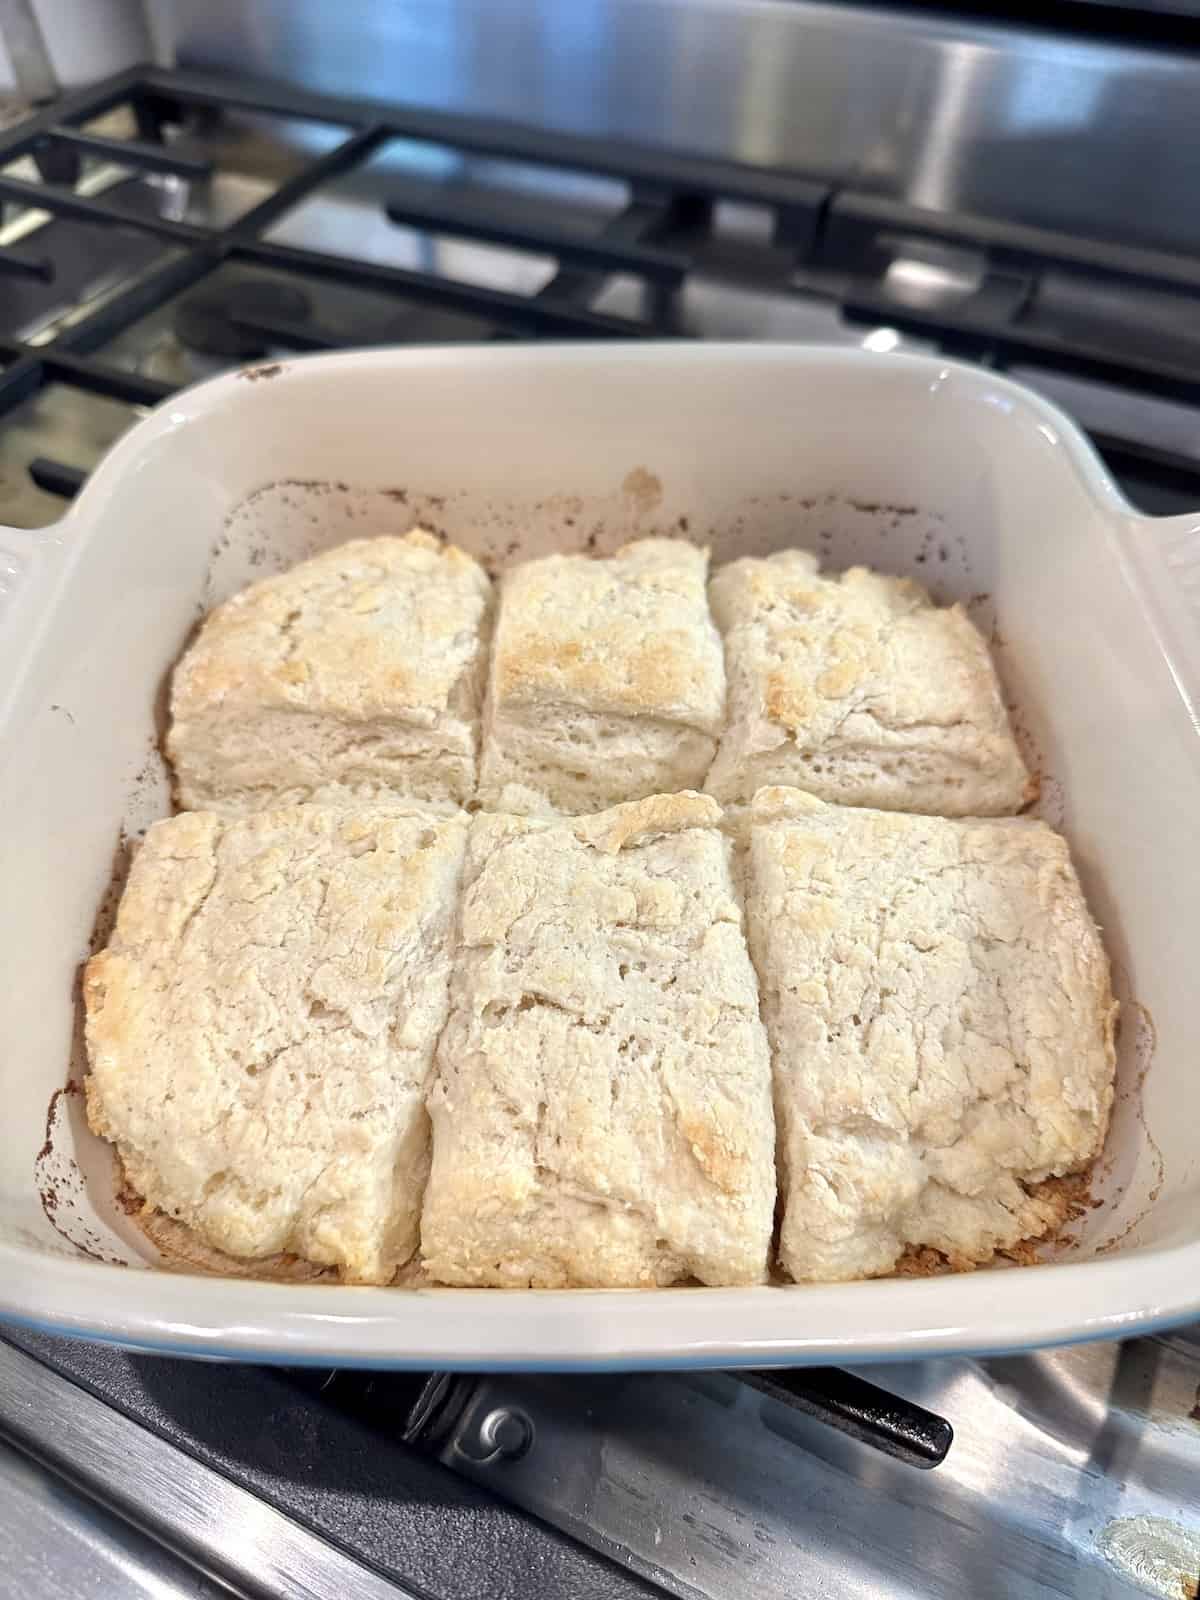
x,y
949,474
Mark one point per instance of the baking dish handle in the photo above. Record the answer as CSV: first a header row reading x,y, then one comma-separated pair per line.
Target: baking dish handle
x,y
1166,554
31,564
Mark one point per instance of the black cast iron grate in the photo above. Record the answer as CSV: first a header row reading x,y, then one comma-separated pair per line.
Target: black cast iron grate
x,y
832,242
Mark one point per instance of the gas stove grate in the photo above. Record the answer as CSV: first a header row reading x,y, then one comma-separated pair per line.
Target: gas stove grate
x,y
830,242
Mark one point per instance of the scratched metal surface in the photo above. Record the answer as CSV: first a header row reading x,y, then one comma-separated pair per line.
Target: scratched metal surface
x,y
57,1542
278,1454
1073,1473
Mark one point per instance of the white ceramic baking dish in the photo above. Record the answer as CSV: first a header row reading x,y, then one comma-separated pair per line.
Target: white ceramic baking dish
x,y
958,477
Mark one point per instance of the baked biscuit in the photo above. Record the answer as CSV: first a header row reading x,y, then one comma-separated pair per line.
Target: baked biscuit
x,y
607,681
941,1024
856,687
357,673
602,1106
261,1027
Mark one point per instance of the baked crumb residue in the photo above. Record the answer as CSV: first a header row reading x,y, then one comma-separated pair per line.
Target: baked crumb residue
x,y
1070,1197
60,1183
922,1261
643,488
179,1250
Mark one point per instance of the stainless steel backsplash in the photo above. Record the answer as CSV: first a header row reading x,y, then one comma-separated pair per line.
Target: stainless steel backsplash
x,y
1063,131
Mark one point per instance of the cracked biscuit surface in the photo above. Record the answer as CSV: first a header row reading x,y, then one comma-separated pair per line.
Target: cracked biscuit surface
x,y
857,688
261,1027
358,673
602,1106
941,1022
607,681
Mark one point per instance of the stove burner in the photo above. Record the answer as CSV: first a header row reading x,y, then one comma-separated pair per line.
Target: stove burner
x,y
238,320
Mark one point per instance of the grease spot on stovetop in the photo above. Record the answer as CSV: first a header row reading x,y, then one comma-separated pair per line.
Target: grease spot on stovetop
x,y
1161,1556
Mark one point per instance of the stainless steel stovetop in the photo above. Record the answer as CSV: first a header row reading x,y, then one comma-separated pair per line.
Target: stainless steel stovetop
x,y
1072,1473
166,226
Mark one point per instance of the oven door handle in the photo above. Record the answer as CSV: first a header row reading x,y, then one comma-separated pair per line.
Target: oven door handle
x,y
898,1427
